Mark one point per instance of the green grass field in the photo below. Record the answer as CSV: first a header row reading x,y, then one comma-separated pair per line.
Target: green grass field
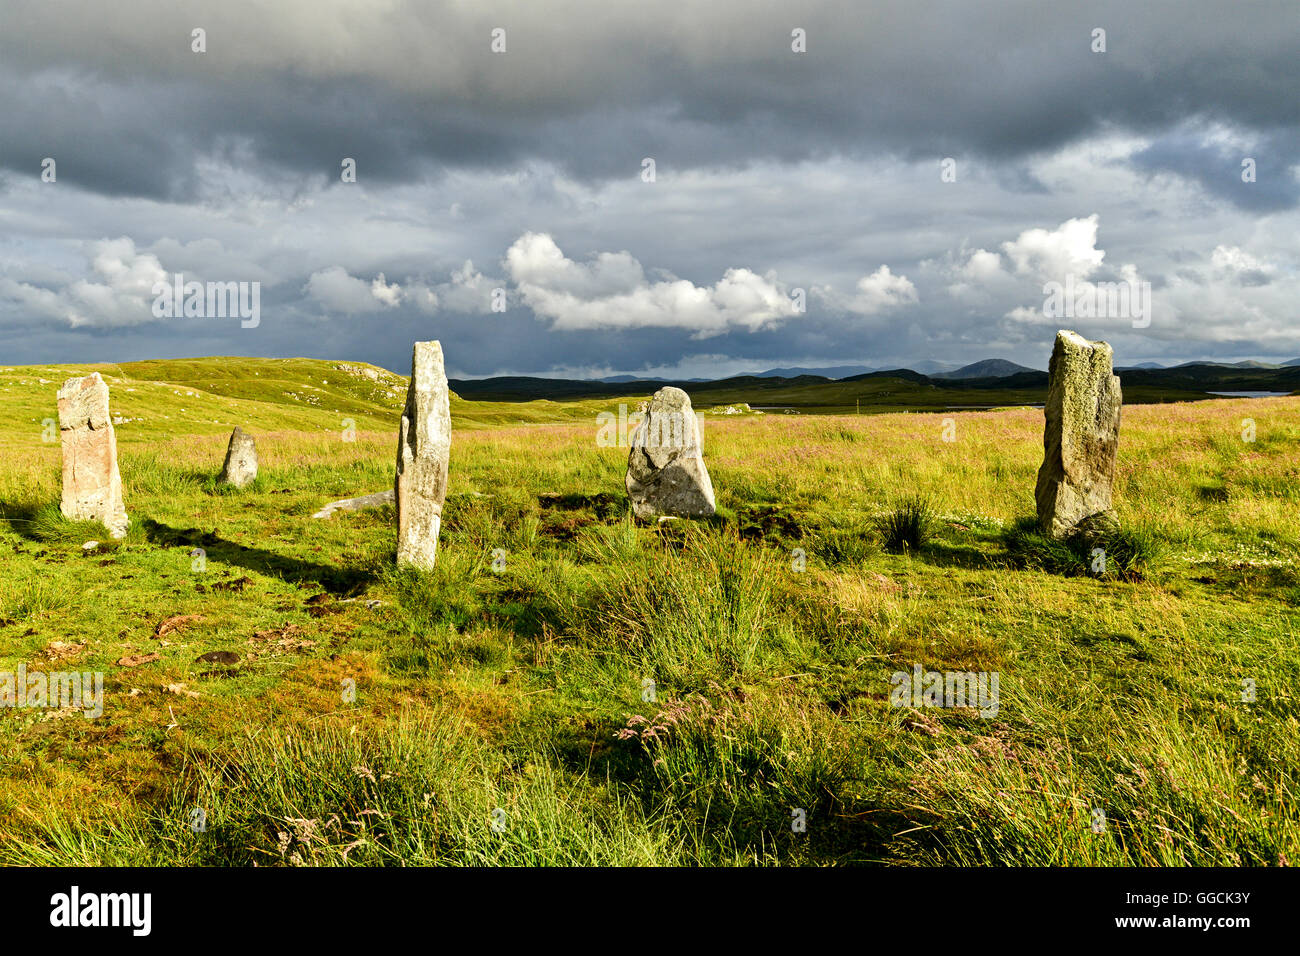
x,y
569,687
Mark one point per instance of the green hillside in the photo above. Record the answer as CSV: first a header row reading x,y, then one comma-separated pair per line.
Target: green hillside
x,y
165,398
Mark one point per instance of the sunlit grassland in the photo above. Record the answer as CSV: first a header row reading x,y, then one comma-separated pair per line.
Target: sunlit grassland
x,y
500,712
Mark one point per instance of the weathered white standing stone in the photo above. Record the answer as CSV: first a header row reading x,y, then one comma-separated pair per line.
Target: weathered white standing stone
x,y
92,485
423,447
240,467
665,467
1080,439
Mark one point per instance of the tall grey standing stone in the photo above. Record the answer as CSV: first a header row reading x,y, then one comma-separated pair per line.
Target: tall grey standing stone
x,y
665,466
92,485
423,447
240,467
1080,439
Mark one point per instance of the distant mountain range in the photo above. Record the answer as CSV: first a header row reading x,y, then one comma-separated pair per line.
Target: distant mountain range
x,y
987,382
986,368
835,372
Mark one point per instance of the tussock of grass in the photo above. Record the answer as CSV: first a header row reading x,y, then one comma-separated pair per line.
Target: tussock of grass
x,y
1126,554
907,528
32,598
50,526
845,546
692,615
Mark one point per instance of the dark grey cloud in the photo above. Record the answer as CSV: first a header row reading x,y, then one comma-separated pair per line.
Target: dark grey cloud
x,y
1217,166
418,90
816,169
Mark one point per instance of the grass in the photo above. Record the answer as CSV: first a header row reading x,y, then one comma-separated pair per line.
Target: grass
x,y
1124,553
907,527
571,687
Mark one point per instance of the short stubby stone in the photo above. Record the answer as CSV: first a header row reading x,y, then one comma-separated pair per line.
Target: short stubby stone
x,y
92,485
665,466
240,467
1080,439
423,448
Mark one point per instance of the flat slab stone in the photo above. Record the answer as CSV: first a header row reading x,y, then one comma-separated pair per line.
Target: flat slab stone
x,y
377,500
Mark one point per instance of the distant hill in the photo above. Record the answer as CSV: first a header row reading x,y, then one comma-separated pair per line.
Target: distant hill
x,y
884,390
834,372
1247,364
622,379
988,368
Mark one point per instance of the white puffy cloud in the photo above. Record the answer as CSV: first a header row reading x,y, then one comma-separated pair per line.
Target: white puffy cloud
x,y
467,291
338,291
119,291
1052,266
1069,249
877,292
389,295
979,277
882,290
982,265
613,291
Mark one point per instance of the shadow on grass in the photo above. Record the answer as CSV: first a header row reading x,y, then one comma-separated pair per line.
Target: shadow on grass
x,y
20,518
344,582
944,555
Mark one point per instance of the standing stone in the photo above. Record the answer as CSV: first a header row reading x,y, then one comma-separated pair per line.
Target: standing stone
x,y
1081,438
92,486
665,468
423,447
240,467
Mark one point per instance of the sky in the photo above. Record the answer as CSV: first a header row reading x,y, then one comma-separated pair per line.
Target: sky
x,y
670,189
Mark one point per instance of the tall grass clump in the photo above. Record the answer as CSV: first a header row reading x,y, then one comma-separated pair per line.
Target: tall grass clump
x,y
743,769
48,525
441,596
907,528
33,597
702,612
1126,554
838,546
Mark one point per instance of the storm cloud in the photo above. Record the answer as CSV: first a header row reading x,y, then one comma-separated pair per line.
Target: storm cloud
x,y
832,182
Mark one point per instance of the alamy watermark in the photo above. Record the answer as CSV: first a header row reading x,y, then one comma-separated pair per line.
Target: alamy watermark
x,y
58,690
208,300
133,911
978,689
